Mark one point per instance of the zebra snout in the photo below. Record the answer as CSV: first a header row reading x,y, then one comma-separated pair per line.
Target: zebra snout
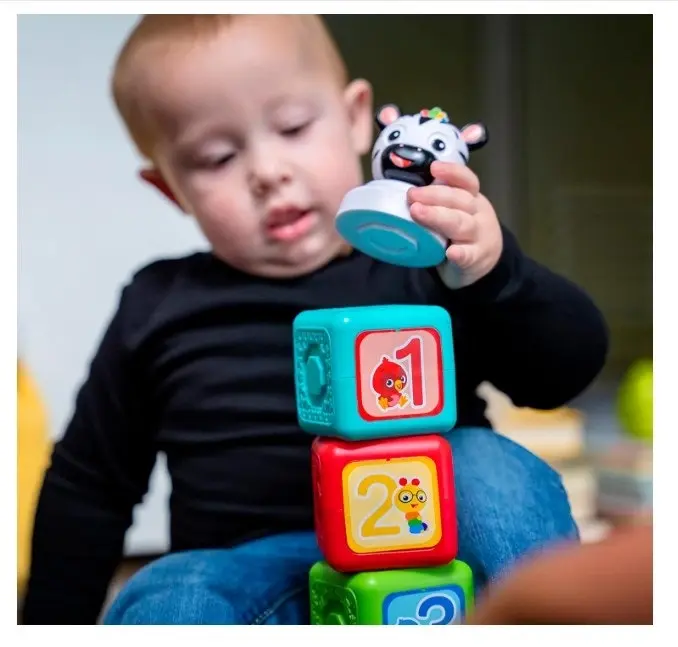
x,y
407,163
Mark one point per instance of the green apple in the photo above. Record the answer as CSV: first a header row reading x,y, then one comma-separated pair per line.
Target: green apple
x,y
635,401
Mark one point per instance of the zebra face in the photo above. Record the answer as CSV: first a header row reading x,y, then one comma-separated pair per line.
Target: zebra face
x,y
408,144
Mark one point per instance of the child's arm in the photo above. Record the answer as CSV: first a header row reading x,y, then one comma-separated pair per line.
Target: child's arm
x,y
534,335
99,471
605,583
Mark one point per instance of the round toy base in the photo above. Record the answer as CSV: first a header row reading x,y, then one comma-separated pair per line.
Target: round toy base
x,y
375,219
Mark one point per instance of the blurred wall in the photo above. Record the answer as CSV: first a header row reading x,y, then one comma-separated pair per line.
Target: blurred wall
x,y
588,164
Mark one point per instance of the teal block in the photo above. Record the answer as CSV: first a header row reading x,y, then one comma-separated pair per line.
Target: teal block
x,y
442,595
374,372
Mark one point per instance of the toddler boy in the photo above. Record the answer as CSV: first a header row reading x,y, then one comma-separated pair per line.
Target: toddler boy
x,y
251,126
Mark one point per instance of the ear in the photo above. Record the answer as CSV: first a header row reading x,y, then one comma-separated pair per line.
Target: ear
x,y
153,177
474,135
386,115
358,98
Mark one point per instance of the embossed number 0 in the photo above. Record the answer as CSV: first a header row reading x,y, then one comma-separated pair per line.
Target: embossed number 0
x,y
369,527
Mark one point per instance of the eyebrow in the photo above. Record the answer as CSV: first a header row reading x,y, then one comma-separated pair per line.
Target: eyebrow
x,y
305,93
195,137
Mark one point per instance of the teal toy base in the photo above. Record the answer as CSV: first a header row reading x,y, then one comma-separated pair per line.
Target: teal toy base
x,y
375,219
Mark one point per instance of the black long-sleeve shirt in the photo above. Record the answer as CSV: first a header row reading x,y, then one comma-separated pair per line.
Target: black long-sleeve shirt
x,y
197,363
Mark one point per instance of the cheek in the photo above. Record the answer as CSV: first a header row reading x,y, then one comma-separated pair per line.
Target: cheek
x,y
332,143
335,165
221,207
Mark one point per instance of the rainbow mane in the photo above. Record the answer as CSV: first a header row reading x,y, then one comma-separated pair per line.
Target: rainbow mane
x,y
435,113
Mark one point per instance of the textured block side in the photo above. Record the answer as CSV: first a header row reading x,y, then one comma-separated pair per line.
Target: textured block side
x,y
332,602
313,376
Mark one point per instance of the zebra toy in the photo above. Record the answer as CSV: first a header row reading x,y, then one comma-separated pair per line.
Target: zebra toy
x,y
375,217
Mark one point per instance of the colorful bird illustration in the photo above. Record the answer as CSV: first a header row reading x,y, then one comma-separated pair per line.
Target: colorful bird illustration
x,y
388,381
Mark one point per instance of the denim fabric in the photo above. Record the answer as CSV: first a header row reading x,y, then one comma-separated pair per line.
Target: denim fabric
x,y
509,503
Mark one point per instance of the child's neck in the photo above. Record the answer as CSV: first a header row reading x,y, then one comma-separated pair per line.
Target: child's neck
x,y
344,250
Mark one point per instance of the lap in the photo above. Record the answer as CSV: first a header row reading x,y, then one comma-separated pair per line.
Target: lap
x,y
509,502
260,582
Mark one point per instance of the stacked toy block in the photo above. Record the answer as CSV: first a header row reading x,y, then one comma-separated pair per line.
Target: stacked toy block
x,y
376,386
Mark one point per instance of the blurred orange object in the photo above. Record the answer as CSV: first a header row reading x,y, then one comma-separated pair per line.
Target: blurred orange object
x,y
608,582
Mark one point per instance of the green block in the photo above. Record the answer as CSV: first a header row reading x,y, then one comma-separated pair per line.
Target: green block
x,y
442,595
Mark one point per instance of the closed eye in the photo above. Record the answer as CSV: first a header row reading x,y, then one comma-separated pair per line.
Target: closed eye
x,y
223,160
216,163
296,130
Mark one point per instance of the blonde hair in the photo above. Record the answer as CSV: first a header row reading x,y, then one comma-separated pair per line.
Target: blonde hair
x,y
163,32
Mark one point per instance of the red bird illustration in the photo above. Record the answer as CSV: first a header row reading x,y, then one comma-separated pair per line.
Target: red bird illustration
x,y
388,381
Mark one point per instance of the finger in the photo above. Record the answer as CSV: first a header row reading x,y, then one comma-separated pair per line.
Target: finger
x,y
443,196
452,223
456,175
462,255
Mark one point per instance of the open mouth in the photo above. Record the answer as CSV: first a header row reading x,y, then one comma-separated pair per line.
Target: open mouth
x,y
407,163
400,162
414,505
289,224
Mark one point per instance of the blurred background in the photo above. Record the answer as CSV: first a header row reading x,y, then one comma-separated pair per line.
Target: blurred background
x,y
568,104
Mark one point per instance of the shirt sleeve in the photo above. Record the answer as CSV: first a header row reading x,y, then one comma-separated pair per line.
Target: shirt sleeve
x,y
99,471
536,336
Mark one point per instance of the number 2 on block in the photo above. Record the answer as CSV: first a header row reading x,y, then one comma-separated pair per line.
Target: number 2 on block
x,y
369,527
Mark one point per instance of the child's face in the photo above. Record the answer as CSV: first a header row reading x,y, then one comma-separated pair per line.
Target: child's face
x,y
260,142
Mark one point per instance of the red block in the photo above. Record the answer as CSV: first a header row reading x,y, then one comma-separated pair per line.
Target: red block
x,y
384,504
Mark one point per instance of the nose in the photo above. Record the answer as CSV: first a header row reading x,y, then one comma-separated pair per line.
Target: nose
x,y
268,168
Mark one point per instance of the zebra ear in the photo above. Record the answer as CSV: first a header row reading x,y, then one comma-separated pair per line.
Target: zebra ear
x,y
386,115
474,135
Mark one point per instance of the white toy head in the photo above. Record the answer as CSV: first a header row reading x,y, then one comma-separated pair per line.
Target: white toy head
x,y
408,144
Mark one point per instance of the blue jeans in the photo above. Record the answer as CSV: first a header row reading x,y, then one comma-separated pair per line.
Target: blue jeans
x,y
509,503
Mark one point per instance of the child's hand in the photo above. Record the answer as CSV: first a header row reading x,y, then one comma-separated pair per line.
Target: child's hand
x,y
577,584
457,210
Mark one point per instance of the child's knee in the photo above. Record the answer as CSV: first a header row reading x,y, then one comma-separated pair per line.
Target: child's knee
x,y
509,501
211,587
183,604
487,462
